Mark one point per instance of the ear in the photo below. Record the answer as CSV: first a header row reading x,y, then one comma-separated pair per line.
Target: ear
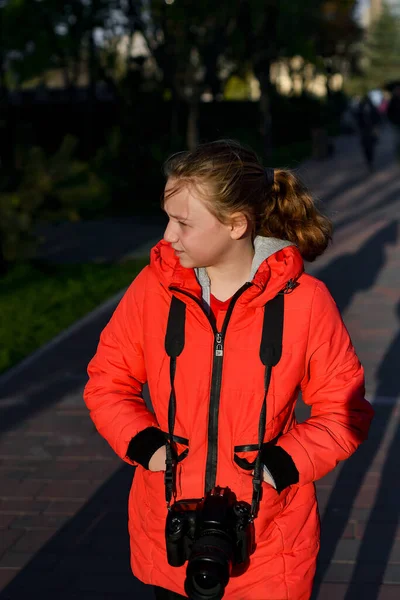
x,y
238,225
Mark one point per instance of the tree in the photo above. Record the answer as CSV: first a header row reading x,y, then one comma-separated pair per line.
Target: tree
x,y
73,37
191,42
382,49
187,41
338,36
267,30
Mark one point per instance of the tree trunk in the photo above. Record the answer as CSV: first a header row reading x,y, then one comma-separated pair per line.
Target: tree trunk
x,y
174,127
6,137
91,98
192,133
265,111
262,68
3,263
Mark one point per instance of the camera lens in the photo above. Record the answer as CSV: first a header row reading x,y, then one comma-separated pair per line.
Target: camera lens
x,y
207,581
209,567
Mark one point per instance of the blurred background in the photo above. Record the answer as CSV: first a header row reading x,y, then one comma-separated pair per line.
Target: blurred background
x,y
94,96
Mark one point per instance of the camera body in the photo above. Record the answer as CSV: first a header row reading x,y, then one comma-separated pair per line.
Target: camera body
x,y
213,534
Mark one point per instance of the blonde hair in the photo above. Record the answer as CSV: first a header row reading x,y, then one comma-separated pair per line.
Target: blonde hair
x,y
232,179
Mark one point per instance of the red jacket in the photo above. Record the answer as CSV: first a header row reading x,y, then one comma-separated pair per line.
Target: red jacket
x,y
317,358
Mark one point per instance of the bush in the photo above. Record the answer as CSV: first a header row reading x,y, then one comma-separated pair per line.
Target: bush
x,y
47,187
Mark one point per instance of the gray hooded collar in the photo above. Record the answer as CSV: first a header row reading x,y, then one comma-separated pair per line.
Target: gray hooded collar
x,y
264,247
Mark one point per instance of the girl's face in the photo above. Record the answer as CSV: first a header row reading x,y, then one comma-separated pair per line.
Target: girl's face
x,y
198,238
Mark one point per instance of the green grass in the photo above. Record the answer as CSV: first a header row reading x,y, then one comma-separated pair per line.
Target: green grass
x,y
38,301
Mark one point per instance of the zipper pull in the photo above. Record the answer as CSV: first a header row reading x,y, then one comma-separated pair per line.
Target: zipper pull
x,y
219,348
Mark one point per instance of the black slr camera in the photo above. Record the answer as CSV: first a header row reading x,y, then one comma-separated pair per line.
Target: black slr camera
x,y
213,534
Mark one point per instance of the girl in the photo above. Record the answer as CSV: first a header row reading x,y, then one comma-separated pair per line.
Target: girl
x,y
236,239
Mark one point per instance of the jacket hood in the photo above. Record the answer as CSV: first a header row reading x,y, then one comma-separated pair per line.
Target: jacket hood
x,y
275,262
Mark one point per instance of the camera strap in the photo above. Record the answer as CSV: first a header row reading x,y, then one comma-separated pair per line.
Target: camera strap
x,y
270,354
174,344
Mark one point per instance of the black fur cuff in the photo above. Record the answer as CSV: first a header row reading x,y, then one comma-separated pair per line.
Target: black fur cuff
x,y
281,466
142,447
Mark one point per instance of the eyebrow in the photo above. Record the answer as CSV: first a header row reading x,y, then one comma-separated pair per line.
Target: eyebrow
x,y
176,216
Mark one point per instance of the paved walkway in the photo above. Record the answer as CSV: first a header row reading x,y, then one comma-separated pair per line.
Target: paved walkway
x,y
63,493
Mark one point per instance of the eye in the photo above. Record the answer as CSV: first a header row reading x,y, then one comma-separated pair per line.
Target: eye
x,y
182,223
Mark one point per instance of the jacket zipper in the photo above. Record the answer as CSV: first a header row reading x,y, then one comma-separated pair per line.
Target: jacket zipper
x,y
216,378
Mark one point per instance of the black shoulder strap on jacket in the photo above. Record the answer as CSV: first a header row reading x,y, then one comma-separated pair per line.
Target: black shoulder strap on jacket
x,y
175,336
174,344
270,354
271,341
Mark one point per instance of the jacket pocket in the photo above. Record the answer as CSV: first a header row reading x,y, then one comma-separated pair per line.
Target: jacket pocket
x,y
154,481
271,503
245,455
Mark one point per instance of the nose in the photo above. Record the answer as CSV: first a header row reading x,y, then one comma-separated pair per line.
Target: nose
x,y
170,235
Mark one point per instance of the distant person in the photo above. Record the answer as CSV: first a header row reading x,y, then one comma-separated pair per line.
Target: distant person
x,y
383,107
368,120
226,329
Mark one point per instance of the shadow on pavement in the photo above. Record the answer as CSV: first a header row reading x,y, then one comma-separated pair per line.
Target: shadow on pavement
x,y
88,559
383,201
352,273
373,553
60,371
347,184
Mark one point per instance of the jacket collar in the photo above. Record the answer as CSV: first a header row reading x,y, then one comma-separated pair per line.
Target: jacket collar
x,y
275,262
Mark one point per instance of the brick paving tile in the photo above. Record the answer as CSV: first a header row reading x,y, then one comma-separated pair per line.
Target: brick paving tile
x,y
15,560
16,490
332,591
32,541
5,520
392,574
67,489
23,507
62,507
338,591
39,521
15,465
347,550
8,538
6,576
52,471
378,530
16,474
389,592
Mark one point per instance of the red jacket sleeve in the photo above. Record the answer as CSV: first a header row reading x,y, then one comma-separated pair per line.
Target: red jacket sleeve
x,y
117,373
334,388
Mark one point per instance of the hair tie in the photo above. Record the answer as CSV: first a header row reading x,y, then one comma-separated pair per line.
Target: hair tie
x,y
269,176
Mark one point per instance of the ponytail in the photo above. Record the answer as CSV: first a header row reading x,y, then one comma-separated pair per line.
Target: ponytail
x,y
290,213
